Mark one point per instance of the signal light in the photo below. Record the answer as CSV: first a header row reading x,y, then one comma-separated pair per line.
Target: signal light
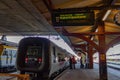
x,y
26,60
39,60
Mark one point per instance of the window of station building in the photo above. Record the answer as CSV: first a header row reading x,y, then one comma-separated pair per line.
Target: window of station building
x,y
54,55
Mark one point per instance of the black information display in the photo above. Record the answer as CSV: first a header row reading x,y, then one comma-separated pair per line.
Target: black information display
x,y
61,18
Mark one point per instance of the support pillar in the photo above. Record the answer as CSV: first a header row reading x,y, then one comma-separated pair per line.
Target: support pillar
x,y
90,56
102,52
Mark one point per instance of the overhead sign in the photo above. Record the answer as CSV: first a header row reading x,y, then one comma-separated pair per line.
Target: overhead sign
x,y
72,18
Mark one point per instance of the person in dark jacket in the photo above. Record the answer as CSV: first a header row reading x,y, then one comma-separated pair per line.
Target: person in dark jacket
x,y
70,62
81,63
73,62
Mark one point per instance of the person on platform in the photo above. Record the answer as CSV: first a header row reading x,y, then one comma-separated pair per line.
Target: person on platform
x,y
70,62
87,63
73,62
81,63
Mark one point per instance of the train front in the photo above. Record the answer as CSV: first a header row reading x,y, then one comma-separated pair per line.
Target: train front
x,y
31,57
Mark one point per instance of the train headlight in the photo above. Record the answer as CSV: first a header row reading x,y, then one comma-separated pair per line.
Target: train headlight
x,y
26,60
39,60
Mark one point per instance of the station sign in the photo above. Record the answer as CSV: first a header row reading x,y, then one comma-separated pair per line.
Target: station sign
x,y
72,18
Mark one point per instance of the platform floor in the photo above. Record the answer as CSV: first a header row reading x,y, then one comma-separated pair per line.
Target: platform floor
x,y
81,74
85,74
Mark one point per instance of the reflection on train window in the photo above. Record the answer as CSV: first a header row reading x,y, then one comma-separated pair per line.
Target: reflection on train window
x,y
34,51
54,55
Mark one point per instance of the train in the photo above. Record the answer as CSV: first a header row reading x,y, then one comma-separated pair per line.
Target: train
x,y
41,57
8,52
113,58
110,58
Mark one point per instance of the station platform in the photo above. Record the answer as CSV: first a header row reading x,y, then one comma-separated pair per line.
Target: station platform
x,y
79,74
85,74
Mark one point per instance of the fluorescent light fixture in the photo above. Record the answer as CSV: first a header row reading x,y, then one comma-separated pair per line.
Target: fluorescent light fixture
x,y
106,15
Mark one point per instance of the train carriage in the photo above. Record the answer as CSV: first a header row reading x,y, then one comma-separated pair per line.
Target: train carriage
x,y
7,58
113,59
40,56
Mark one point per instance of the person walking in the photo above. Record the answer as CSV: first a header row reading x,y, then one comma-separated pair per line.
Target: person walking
x,y
87,63
81,63
73,62
70,62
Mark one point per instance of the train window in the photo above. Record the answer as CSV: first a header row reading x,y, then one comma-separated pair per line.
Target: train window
x,y
34,51
60,57
14,53
10,52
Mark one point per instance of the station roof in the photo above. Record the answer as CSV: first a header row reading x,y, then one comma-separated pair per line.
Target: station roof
x,y
33,17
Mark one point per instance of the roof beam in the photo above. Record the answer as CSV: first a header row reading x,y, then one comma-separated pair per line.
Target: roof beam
x,y
92,33
48,4
91,8
108,4
81,37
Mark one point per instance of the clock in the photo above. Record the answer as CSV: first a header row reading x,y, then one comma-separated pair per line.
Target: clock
x,y
117,18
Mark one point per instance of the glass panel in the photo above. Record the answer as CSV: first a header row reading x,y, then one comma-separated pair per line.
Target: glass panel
x,y
34,51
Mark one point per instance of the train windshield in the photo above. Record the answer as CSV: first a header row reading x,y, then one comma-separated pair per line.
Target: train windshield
x,y
34,51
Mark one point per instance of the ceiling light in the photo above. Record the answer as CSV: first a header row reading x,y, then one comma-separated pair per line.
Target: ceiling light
x,y
106,15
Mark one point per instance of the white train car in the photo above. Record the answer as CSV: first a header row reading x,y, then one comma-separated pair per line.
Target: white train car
x,y
110,58
41,57
113,58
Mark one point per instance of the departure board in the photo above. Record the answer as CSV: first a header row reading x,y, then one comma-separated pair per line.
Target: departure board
x,y
72,18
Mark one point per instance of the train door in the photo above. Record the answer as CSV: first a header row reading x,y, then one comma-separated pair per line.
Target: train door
x,y
7,57
12,57
54,54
